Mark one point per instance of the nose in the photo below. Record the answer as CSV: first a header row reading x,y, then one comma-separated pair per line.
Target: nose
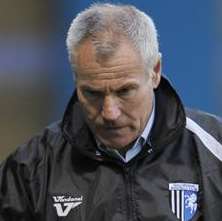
x,y
110,109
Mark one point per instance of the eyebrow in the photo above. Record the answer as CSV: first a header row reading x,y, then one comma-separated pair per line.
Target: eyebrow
x,y
130,85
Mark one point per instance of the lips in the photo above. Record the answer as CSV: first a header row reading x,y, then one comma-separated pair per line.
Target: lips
x,y
107,130
113,128
110,131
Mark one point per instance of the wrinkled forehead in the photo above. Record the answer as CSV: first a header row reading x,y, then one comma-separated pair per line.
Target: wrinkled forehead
x,y
91,54
123,67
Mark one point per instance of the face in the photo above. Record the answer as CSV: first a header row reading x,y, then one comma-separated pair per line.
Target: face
x,y
115,94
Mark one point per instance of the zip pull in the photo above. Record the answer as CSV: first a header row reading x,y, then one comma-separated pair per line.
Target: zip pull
x,y
150,151
149,147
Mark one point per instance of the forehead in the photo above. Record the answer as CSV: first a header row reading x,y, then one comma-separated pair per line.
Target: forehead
x,y
124,63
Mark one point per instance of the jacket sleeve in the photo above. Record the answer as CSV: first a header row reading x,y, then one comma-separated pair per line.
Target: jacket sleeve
x,y
19,186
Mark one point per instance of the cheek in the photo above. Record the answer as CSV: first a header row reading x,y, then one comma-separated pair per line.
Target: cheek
x,y
141,103
139,110
132,114
90,110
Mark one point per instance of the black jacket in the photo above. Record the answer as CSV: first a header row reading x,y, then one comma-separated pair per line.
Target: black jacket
x,y
59,174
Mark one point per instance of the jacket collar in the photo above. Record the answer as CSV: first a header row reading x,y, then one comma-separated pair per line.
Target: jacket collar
x,y
170,116
76,130
169,120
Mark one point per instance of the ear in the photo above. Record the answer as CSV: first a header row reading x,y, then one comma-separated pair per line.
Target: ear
x,y
156,73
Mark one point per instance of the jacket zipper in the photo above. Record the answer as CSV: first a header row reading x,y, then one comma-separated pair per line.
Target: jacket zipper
x,y
129,174
130,209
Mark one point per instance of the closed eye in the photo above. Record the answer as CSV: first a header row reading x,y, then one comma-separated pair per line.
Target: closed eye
x,y
127,92
92,94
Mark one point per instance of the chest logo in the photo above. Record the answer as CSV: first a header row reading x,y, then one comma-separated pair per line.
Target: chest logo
x,y
184,201
65,204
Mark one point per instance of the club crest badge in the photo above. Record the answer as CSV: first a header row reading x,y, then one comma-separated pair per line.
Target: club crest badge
x,y
183,200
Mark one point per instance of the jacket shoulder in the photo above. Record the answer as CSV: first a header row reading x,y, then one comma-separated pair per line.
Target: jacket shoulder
x,y
207,132
22,175
31,155
212,124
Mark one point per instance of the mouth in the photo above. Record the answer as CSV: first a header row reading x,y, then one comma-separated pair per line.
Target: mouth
x,y
114,129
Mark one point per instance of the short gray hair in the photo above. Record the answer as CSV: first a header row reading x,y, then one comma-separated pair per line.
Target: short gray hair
x,y
126,20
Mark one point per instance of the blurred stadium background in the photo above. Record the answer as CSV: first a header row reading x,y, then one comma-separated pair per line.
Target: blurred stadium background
x,y
36,80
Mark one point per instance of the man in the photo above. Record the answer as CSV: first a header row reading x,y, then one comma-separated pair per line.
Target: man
x,y
126,149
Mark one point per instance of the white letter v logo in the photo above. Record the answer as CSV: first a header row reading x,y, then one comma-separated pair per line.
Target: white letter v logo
x,y
68,207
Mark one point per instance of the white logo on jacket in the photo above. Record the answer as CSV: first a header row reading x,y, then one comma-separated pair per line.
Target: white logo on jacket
x,y
184,200
65,204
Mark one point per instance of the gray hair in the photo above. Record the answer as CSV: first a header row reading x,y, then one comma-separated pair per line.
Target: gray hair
x,y
126,20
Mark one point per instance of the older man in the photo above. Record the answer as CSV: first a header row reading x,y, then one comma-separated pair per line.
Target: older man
x,y
126,149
